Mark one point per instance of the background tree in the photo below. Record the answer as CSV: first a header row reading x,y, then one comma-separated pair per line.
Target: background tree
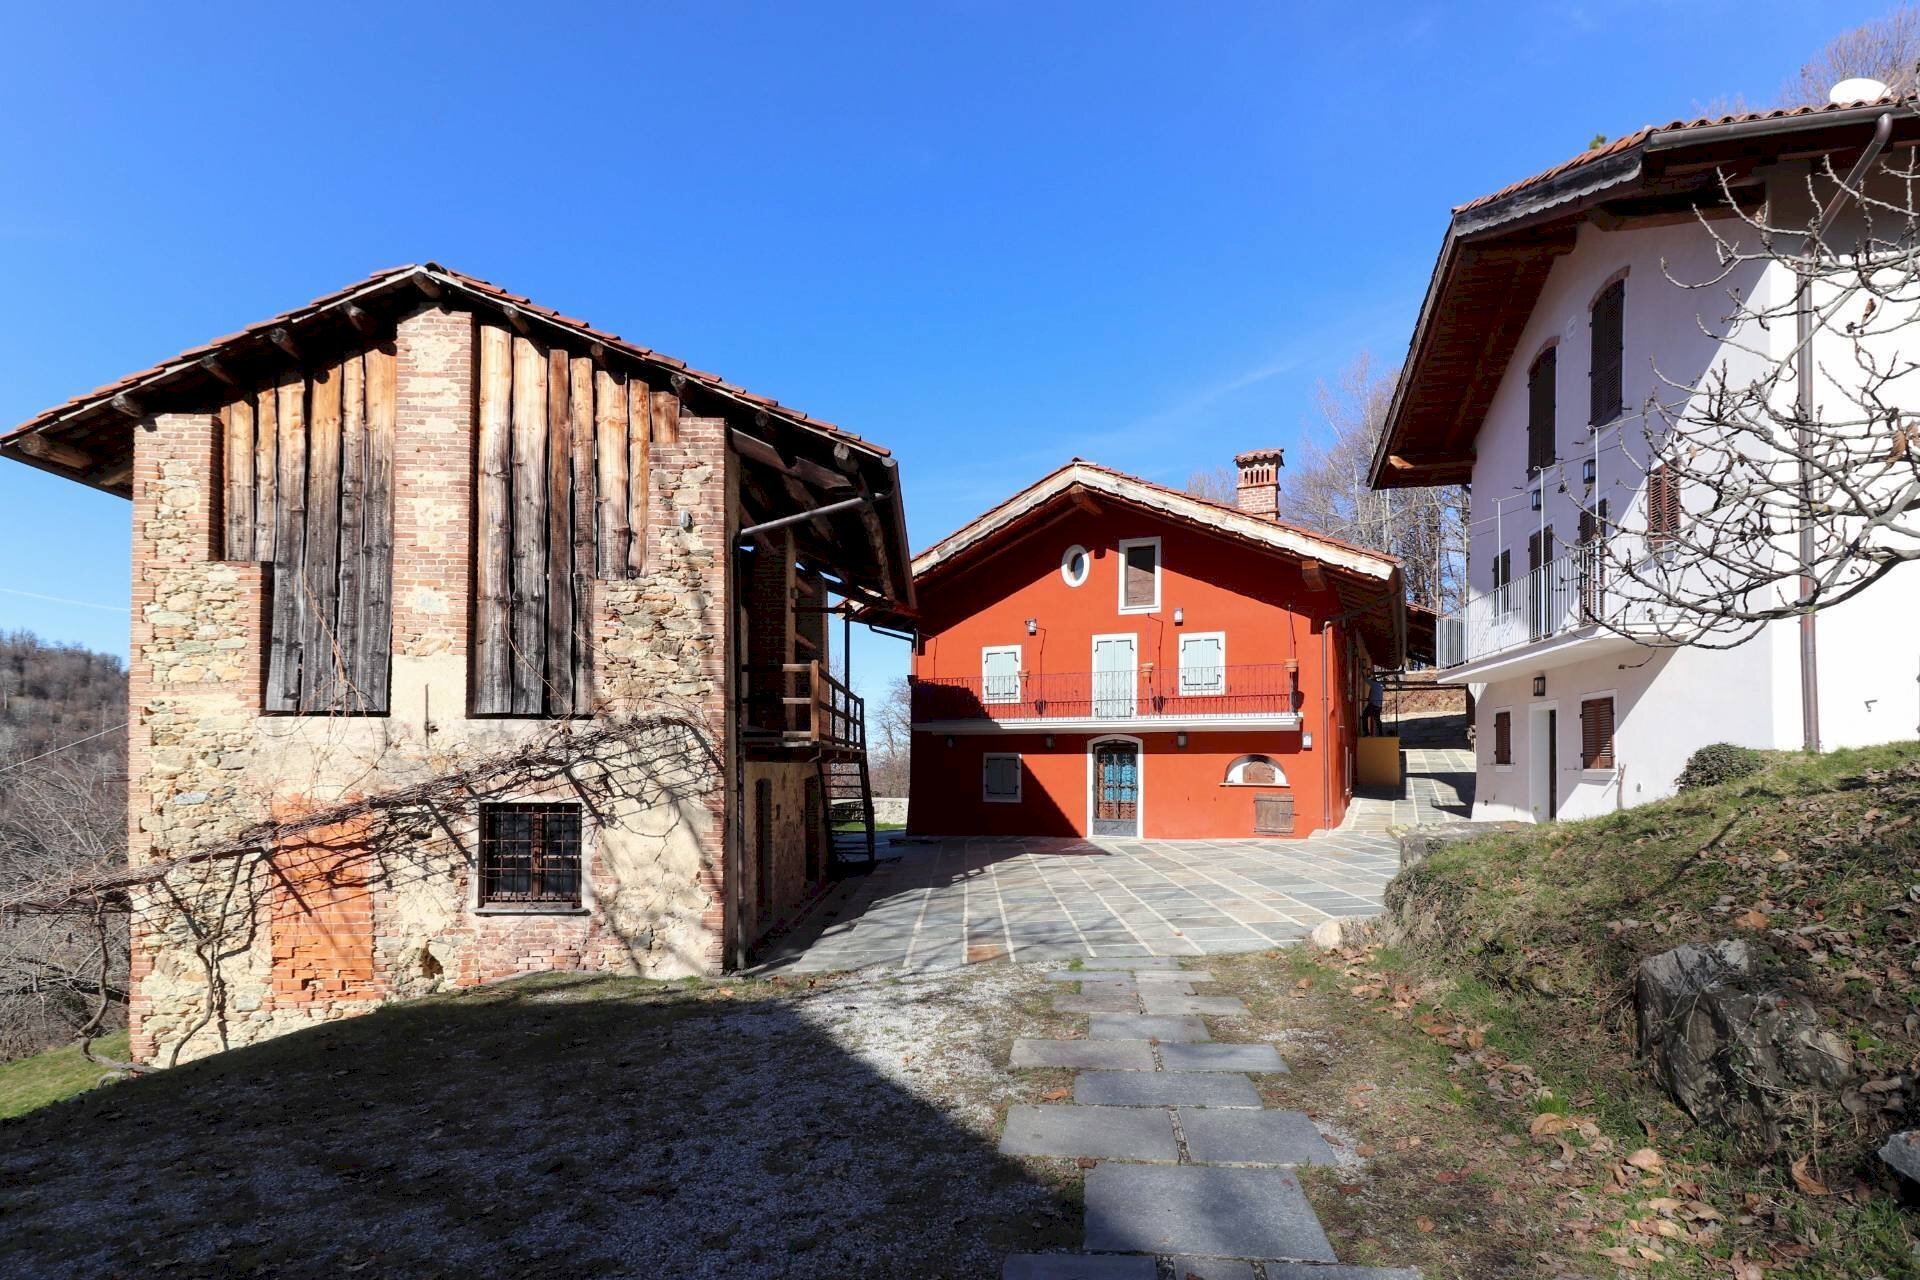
x,y
890,740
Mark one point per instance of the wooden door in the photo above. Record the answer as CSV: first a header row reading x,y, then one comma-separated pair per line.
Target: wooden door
x,y
1115,693
1116,789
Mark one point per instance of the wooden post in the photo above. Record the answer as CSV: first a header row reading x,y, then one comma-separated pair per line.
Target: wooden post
x,y
290,537
236,419
321,675
353,517
371,666
581,541
266,473
666,416
529,525
813,692
493,607
558,651
639,436
610,480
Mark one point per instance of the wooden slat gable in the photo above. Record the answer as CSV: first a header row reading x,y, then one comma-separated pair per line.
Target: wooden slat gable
x,y
563,452
308,488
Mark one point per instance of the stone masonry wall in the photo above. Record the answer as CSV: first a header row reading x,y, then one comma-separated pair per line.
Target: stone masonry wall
x,y
239,948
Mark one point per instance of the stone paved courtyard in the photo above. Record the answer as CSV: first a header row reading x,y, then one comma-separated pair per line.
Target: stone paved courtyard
x,y
949,902
961,901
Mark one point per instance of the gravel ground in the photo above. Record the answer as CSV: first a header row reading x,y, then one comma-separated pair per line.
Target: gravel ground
x,y
563,1125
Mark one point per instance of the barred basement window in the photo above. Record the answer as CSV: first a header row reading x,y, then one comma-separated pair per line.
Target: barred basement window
x,y
530,854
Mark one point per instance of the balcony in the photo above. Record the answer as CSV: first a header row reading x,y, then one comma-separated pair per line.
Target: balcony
x,y
1262,696
1560,613
800,707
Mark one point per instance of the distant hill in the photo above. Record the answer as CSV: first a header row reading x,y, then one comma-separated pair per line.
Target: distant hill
x,y
52,694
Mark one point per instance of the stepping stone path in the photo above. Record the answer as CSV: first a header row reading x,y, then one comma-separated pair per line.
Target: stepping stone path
x,y
1191,1171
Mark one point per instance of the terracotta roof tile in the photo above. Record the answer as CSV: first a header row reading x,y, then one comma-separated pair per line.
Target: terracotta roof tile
x,y
191,355
1640,135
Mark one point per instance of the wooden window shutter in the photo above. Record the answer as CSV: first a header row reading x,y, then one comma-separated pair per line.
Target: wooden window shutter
x,y
1663,506
1596,733
1540,410
1605,376
1141,566
1503,737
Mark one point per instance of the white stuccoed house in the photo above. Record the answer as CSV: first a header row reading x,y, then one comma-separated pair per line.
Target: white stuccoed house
x,y
1552,324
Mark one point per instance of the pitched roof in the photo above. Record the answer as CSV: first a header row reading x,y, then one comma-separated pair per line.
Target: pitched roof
x,y
1500,248
189,370
1367,580
1297,539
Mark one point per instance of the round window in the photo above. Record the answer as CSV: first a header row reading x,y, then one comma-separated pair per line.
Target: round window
x,y
1073,565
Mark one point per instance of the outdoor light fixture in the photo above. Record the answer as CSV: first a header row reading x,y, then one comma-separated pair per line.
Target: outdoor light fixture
x,y
1033,626
1179,739
949,739
1179,616
1586,471
1049,742
1306,742
1533,500
1539,686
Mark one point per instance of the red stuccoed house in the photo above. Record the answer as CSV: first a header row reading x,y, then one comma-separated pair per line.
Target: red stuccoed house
x,y
1102,656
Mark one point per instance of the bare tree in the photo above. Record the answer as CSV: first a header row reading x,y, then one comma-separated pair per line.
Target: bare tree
x,y
1885,49
1325,487
61,975
1784,478
1215,484
892,741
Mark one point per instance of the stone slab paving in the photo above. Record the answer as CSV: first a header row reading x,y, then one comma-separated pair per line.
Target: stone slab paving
x,y
1192,1208
950,902
1164,1088
1268,1137
1124,1133
1220,1056
1099,1055
1187,1165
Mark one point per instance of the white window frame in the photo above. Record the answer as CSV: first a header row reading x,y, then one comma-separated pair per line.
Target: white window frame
x,y
1019,669
1218,690
1159,564
1086,565
987,759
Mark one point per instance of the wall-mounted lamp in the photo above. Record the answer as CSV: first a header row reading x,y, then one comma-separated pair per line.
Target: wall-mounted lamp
x,y
1049,741
1533,500
1306,742
949,739
1586,471
1179,739
1539,686
1179,616
1033,626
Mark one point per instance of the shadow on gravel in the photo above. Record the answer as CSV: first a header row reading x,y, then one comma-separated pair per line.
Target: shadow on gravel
x,y
577,1126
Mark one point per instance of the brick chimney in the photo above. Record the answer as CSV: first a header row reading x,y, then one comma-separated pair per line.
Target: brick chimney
x,y
1259,491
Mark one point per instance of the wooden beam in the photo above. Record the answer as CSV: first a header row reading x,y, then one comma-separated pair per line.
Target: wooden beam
x,y
321,674
59,453
612,513
358,317
216,368
282,338
518,319
113,475
427,284
493,606
266,474
371,668
843,457
290,539
127,406
581,543
639,480
804,469
350,624
665,412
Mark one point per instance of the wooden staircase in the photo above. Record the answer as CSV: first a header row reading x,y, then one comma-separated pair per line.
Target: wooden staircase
x,y
849,795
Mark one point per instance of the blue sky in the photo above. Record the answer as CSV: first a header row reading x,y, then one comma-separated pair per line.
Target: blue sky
x,y
990,236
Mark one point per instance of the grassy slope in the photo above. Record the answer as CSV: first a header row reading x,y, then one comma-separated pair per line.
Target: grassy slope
x,y
27,1083
1530,940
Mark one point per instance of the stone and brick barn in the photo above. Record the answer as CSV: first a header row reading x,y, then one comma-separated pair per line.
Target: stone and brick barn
x,y
1101,656
468,640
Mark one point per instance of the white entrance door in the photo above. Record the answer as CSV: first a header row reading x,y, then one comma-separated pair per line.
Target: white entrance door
x,y
1115,681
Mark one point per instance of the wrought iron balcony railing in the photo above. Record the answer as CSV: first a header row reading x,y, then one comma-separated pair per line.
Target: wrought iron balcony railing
x,y
1258,691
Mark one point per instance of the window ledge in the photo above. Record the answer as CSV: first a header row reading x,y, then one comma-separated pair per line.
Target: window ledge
x,y
529,909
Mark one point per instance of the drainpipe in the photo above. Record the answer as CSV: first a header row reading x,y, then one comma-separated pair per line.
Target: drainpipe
x,y
1803,376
